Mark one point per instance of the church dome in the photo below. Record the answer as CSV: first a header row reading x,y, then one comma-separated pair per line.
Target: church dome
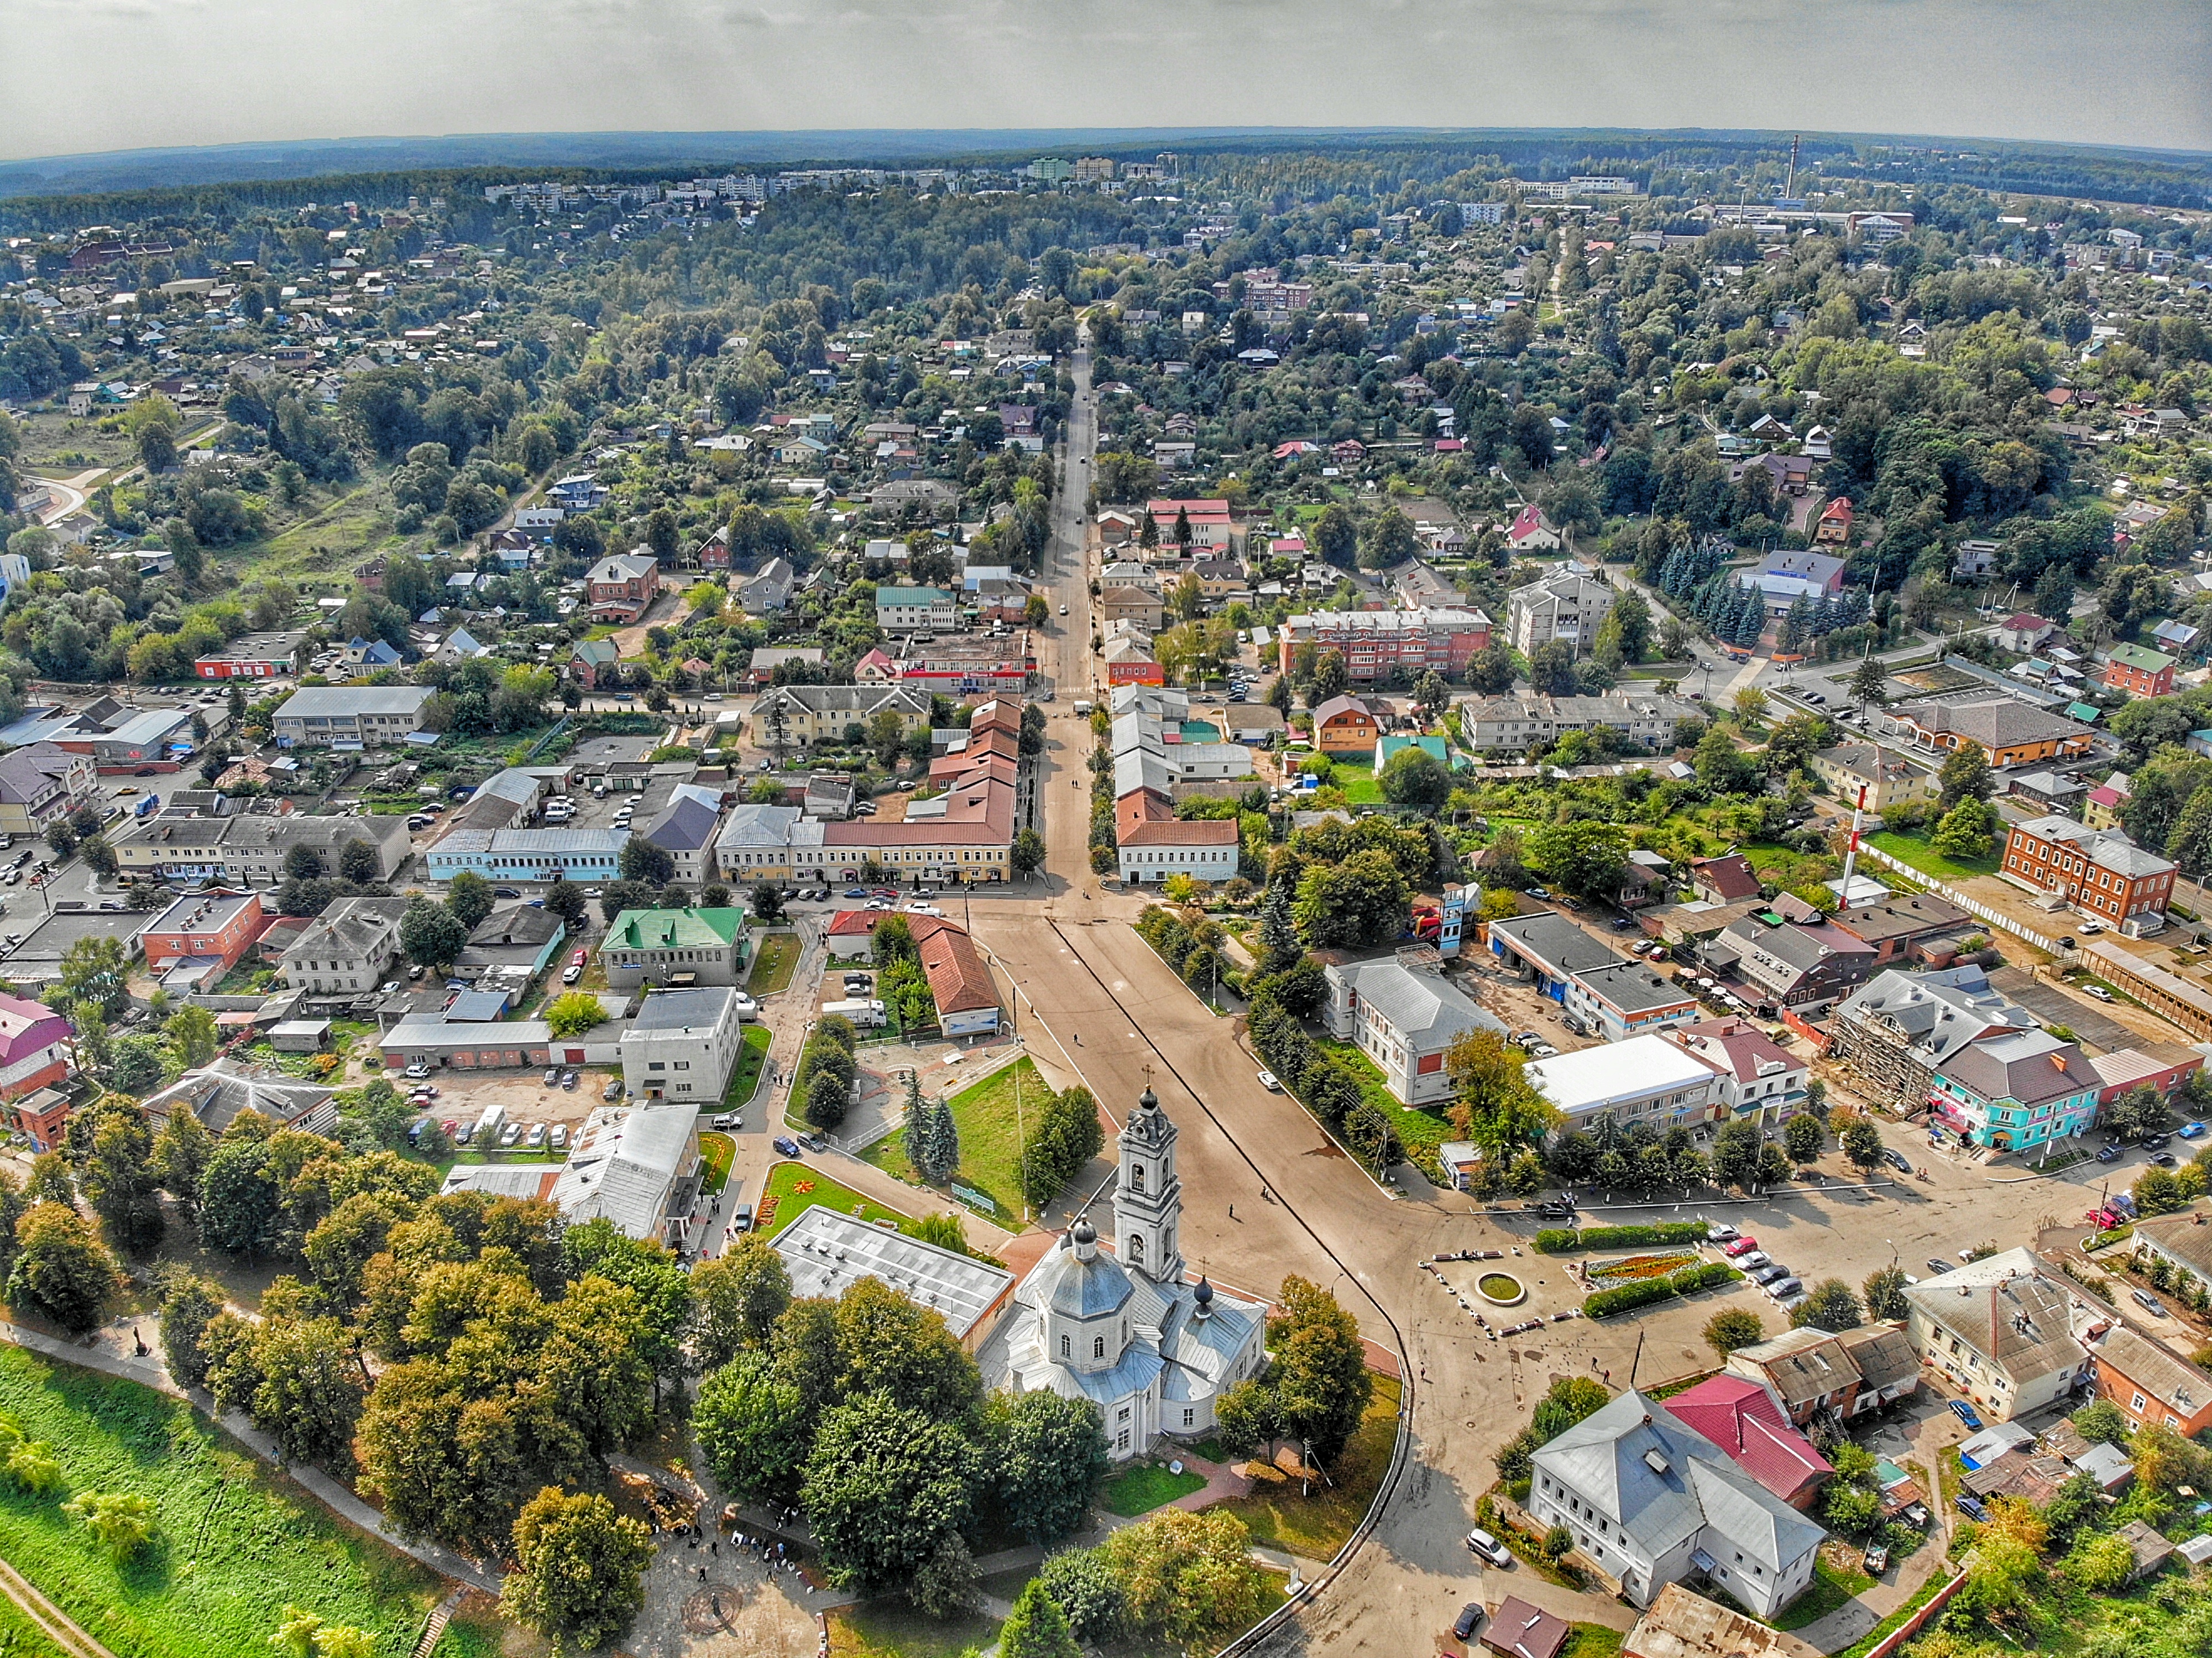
x,y
1087,1285
1148,1101
1204,1294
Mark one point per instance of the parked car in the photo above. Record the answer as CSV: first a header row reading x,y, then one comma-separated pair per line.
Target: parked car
x,y
729,1120
567,1079
1741,1246
786,1147
2149,1302
417,1069
536,1137
1722,1232
578,959
506,892
552,1075
2163,1159
856,892
2098,991
613,1089
1766,1272
741,1218
1271,1081
2108,1154
814,1143
1965,1412
1470,1615
1938,1266
1897,1159
1751,1261
1785,1289
1968,1504
1480,1542
560,1136
2189,1131
1542,1051
512,1133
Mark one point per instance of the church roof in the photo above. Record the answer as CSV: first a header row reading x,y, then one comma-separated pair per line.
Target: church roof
x,y
1081,1289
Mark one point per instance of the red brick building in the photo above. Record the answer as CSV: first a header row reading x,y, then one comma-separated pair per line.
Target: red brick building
x,y
2102,872
1375,642
2139,670
2150,1384
214,927
620,588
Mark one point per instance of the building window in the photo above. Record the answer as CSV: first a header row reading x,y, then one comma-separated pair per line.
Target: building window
x,y
1098,1349
1065,1348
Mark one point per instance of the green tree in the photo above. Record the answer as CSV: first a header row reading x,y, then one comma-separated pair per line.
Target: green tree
x,y
311,1394
573,1013
752,1425
191,1034
2189,844
1414,777
121,1521
96,970
1045,1457
1965,775
1751,705
892,942
2100,1420
1885,1294
1037,1628
1331,677
1802,1136
431,934
1336,536
1360,902
1869,682
892,1346
1860,1139
1028,853
240,1203
1494,1104
469,898
1390,540
151,425
737,1298
1319,1373
116,1174
578,1576
1585,858
60,1273
1965,831
1732,1327
1189,1578
767,902
190,1302
884,1486
565,899
181,1152
1830,1305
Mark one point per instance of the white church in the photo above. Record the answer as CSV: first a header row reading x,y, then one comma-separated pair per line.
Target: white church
x,y
1124,1330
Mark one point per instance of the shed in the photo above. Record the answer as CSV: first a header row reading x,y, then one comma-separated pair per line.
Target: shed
x,y
300,1036
2150,1550
1518,1630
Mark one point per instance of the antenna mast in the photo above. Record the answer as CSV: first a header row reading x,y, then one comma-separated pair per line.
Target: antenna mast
x,y
1852,852
1789,191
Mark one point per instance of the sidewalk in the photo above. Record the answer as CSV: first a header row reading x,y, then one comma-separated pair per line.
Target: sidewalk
x,y
152,1372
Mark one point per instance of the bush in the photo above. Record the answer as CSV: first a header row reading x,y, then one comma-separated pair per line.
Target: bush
x,y
1553,1241
1688,1281
1558,1240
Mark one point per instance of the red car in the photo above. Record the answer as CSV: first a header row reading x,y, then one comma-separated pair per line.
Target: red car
x,y
1740,1246
578,959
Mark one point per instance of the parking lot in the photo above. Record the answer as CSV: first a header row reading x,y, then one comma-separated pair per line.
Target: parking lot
x,y
464,1096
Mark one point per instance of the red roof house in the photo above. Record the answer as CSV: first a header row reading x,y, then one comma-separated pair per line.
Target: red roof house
x,y
1834,528
1739,1416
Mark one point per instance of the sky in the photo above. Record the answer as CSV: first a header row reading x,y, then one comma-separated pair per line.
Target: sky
x,y
106,75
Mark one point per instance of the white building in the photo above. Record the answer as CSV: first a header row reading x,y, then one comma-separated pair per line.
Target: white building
x,y
1756,1074
826,1253
1403,1018
1646,1079
683,1045
637,1166
1565,604
1152,849
1125,1331
337,715
346,947
1999,1332
1651,1501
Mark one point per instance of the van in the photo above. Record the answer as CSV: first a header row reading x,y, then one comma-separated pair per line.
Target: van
x,y
1083,708
864,1014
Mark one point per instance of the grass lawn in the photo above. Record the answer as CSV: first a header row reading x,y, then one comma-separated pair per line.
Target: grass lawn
x,y
1357,779
1593,1640
234,1544
752,1061
1142,1488
716,1150
1914,851
990,1136
891,1628
784,1202
21,1638
1830,1588
1421,1131
774,964
1317,1526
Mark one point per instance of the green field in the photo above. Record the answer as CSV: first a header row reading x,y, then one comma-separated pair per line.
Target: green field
x,y
1147,1487
990,1125
235,1544
752,1061
777,960
21,1638
789,1203
1422,1132
1914,851
891,1628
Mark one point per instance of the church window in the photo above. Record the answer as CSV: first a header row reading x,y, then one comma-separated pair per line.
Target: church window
x,y
1098,1347
1136,1248
1137,1177
1066,1347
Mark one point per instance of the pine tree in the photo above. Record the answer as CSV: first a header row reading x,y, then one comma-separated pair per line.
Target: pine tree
x,y
945,1141
1278,930
917,1120
2190,844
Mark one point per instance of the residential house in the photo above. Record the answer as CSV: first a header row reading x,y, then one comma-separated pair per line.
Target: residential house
x,y
675,947
2013,1092
1904,924
205,934
1860,773
1131,605
767,591
637,1167
510,947
766,842
960,983
1153,845
217,1093
1809,1371
685,830
1681,1624
682,1045
1650,1500
1403,1018
254,656
346,949
1442,639
2101,873
1532,533
2024,634
2011,732
799,716
596,663
1736,1415
530,854
350,716
1758,1077
2160,1067
916,609
2139,670
1998,1330
1833,528
2149,1384
1567,605
41,784
1726,879
1515,723
1645,1079
36,1044
1346,726
620,588
2183,1242
1789,964
1518,1630
1783,578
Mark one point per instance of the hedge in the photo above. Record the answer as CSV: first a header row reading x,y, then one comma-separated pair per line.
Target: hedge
x,y
1688,1281
1557,1240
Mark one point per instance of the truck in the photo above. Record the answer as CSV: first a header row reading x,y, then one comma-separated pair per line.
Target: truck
x,y
148,805
1084,709
488,1124
864,1014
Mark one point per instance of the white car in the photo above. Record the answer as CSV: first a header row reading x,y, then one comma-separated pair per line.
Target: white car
x,y
1271,1081
1480,1542
747,1007
416,1070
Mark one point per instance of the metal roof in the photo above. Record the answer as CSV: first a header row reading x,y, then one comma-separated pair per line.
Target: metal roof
x,y
827,1253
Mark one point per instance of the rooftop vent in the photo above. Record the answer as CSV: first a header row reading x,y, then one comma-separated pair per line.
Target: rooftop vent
x,y
1656,1463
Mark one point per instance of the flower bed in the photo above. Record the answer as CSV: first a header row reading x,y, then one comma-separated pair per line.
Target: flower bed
x,y
1688,1281
1631,1269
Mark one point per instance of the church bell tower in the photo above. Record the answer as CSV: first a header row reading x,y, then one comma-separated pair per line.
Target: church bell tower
x,y
1148,1203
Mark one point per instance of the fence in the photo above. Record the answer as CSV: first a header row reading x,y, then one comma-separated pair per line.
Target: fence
x,y
1973,907
1919,1621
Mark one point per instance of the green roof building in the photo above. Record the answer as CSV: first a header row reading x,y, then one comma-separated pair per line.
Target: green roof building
x,y
676,948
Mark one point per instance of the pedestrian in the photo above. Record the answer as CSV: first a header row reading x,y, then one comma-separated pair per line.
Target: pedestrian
x,y
1232,1211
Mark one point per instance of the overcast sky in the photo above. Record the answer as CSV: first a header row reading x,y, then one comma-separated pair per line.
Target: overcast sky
x,y
100,74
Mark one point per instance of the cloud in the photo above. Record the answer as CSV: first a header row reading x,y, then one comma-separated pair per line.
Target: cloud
x,y
145,72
